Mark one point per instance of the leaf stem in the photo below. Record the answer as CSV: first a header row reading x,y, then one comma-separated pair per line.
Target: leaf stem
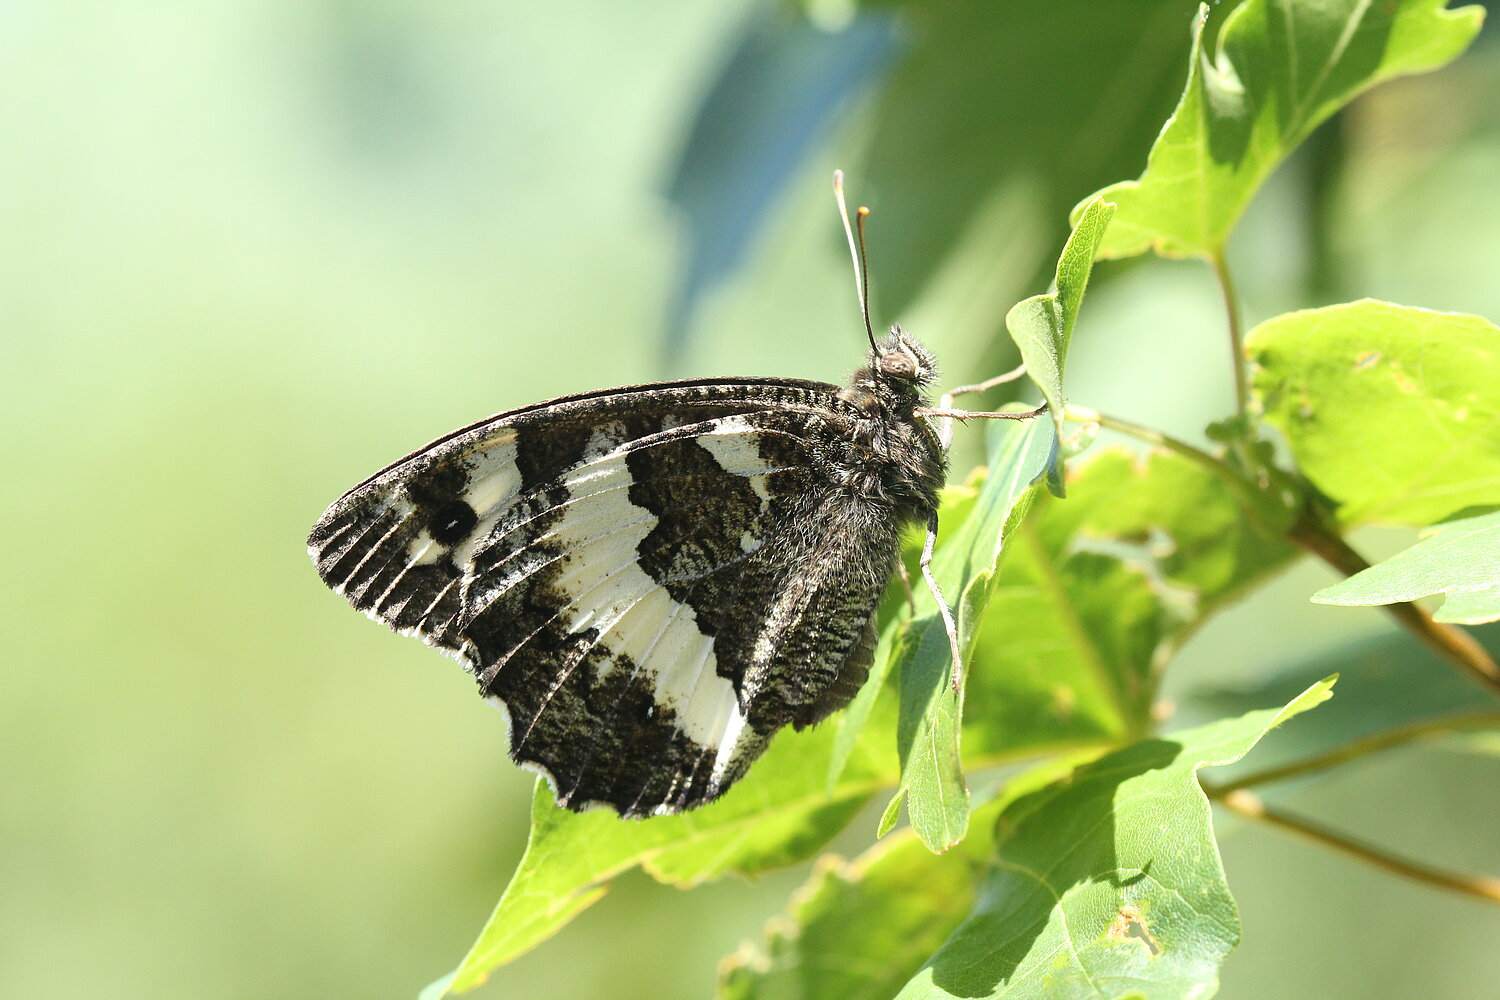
x,y
1249,495
1250,805
1236,332
1363,747
1312,532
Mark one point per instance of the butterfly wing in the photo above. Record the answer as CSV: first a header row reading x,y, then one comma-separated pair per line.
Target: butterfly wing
x,y
652,581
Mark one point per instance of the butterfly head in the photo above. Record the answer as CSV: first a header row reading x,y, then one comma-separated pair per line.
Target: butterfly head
x,y
902,361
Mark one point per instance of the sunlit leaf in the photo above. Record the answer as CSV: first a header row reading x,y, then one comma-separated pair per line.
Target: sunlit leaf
x,y
781,812
928,728
1096,594
897,902
1460,558
1109,883
1391,411
1042,325
1278,70
859,929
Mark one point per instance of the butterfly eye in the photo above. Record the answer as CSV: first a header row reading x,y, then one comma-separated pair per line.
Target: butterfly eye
x,y
898,365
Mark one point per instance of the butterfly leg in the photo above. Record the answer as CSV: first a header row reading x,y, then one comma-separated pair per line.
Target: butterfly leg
x,y
911,598
949,625
945,407
946,402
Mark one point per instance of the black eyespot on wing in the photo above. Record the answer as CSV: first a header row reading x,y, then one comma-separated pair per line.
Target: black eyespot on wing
x,y
453,522
652,580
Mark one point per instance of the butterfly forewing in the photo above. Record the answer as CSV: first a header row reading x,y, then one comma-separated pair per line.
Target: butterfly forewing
x,y
651,581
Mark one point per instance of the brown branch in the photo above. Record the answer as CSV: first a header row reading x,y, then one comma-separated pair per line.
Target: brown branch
x,y
1362,747
1312,532
1250,805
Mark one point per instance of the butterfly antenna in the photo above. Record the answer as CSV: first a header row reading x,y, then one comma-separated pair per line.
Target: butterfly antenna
x,y
857,254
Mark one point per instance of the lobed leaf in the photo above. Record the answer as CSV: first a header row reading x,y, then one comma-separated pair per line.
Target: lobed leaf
x,y
1460,558
1390,411
1279,69
1108,883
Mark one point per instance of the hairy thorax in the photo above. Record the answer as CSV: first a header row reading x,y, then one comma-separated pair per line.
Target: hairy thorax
x,y
898,461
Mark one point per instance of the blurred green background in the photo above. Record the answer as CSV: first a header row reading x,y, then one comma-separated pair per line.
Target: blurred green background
x,y
251,252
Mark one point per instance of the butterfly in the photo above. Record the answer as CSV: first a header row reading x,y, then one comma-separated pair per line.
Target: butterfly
x,y
651,581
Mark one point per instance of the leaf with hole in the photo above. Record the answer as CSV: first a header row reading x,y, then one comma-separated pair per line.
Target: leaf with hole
x,y
1107,883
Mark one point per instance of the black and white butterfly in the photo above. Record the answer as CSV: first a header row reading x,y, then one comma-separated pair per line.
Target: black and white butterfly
x,y
653,580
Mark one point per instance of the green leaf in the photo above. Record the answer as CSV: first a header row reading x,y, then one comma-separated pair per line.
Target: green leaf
x,y
859,929
1042,325
1097,593
1386,682
964,565
1391,411
1109,883
1279,69
781,812
862,928
1460,558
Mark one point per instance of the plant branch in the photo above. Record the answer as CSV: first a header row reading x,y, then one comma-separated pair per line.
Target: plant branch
x,y
1250,497
1362,747
1312,532
1236,333
1082,414
1250,805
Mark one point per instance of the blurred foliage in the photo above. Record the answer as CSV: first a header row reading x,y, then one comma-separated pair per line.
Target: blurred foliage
x,y
254,251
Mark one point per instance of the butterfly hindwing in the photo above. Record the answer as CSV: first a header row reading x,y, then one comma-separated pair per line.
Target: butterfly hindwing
x,y
651,581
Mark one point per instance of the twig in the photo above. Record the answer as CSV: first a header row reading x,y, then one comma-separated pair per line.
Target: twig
x,y
1367,745
1082,414
1250,805
1248,494
1236,332
1313,533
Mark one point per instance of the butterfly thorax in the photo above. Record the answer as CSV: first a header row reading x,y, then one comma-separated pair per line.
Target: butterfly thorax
x,y
904,462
